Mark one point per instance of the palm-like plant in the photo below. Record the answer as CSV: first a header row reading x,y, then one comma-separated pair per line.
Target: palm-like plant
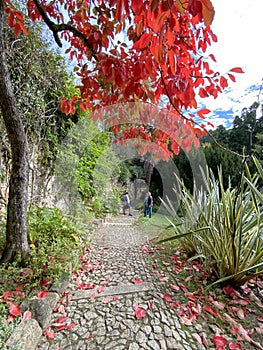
x,y
224,227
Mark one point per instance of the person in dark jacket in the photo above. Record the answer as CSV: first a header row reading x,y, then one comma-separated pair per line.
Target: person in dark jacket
x,y
148,205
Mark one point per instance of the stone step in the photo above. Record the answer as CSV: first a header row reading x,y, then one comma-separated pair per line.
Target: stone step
x,y
113,290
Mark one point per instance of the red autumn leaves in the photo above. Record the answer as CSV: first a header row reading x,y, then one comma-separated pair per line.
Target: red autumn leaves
x,y
227,306
161,54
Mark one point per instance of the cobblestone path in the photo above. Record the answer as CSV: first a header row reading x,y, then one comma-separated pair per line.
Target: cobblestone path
x,y
124,310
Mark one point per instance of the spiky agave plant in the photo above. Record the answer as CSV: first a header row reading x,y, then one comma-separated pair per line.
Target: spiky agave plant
x,y
224,227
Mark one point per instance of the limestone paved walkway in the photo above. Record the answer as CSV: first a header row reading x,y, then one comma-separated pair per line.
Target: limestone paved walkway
x,y
104,317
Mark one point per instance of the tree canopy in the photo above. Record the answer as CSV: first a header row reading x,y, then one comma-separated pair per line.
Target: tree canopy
x,y
137,51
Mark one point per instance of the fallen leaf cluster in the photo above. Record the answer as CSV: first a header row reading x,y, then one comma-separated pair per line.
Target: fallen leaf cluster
x,y
226,317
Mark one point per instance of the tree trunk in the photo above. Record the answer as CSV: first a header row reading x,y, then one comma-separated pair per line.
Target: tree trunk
x,y
16,225
148,171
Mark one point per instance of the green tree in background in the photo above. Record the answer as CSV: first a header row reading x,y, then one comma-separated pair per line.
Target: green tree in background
x,y
244,129
243,138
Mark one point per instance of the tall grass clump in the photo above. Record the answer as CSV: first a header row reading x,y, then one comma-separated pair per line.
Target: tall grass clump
x,y
223,226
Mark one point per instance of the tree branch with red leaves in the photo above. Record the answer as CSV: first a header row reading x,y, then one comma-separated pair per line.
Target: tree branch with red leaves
x,y
162,36
56,28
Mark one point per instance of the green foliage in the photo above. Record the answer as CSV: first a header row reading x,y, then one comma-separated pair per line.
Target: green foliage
x,y
124,172
38,87
231,163
6,329
224,227
87,170
243,138
56,241
258,146
93,155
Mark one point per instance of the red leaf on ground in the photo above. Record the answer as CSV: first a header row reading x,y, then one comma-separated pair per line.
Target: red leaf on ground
x,y
8,295
168,298
115,299
150,305
27,315
140,313
14,310
62,319
174,288
229,290
135,305
234,330
61,327
70,326
245,335
257,300
93,296
246,289
182,311
58,324
185,321
105,300
49,334
61,309
104,282
176,304
259,330
204,340
190,296
245,302
19,288
164,279
44,283
182,286
210,310
233,346
219,342
240,314
137,281
43,294
197,337
100,289
218,304
90,336
10,318
85,286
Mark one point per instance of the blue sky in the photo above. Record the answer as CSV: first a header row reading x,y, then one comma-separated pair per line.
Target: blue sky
x,y
238,26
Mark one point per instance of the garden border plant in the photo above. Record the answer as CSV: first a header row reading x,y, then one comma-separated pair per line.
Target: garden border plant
x,y
57,241
223,227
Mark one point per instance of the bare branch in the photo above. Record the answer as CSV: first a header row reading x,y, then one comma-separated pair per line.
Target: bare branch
x,y
56,28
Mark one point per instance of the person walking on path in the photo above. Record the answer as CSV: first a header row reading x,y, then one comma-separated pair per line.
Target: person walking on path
x,y
148,205
126,203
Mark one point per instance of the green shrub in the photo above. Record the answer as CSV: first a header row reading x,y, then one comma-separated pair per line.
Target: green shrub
x,y
224,227
56,243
